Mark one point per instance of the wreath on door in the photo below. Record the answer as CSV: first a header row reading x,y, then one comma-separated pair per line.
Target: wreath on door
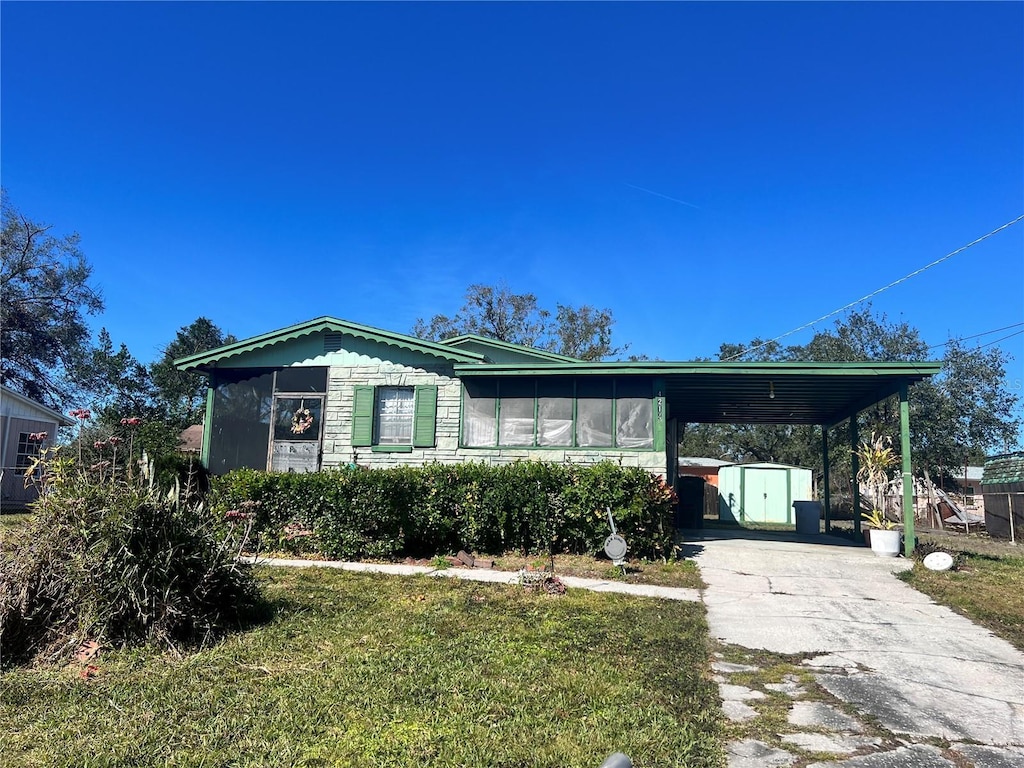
x,y
302,419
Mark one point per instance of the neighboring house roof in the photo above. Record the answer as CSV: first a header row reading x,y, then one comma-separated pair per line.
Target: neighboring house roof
x,y
697,461
217,357
191,439
44,413
1005,468
505,352
975,473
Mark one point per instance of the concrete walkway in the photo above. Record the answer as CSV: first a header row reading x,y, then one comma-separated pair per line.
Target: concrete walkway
x,y
483,574
918,669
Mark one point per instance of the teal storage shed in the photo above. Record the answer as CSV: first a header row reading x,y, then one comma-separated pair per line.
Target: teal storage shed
x,y
761,493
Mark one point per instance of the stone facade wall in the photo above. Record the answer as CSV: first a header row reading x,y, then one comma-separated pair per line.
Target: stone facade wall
x,y
339,451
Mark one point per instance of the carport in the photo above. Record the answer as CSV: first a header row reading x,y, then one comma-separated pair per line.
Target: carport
x,y
822,394
796,393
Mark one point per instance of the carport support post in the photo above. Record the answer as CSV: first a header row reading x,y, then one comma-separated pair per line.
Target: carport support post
x,y
827,496
908,482
855,469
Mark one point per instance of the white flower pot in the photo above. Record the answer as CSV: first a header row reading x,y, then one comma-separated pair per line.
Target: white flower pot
x,y
886,543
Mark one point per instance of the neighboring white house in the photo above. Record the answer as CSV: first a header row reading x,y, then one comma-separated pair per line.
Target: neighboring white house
x,y
23,424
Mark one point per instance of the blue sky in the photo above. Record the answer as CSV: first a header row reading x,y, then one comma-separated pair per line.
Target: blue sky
x,y
263,164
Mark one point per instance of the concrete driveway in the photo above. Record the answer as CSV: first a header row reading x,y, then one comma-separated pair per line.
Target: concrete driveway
x,y
923,671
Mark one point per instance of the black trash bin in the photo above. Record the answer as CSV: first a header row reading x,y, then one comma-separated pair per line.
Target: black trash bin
x,y
690,512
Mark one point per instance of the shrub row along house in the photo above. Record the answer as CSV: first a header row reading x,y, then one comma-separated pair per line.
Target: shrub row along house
x,y
329,393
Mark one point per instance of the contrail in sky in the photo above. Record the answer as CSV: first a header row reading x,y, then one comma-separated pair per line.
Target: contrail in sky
x,y
652,192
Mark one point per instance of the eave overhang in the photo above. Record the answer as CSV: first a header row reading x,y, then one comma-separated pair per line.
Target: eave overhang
x,y
748,393
221,356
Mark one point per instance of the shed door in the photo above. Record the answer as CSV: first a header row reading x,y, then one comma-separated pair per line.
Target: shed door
x,y
298,432
765,495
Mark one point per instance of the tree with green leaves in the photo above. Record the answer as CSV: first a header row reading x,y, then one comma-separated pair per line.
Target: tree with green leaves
x,y
496,312
45,296
182,394
957,417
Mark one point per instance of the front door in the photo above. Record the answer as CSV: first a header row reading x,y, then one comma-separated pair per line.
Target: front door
x,y
297,433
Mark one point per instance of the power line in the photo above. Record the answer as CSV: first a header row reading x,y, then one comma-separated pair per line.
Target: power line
x,y
976,335
894,283
989,344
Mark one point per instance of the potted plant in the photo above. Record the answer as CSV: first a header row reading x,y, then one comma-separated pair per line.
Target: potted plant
x,y
876,458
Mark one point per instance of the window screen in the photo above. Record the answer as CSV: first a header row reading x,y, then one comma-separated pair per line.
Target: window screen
x,y
634,426
515,413
240,424
594,413
297,418
554,412
395,410
301,380
479,422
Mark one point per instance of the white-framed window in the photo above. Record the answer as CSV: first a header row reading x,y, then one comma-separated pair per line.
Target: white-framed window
x,y
28,449
394,416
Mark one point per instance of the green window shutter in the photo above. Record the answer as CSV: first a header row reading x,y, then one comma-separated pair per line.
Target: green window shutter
x,y
362,416
659,414
425,416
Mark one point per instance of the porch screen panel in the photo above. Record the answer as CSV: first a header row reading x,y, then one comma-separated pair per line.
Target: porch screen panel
x,y
594,413
515,412
554,412
291,429
634,423
479,413
240,423
302,379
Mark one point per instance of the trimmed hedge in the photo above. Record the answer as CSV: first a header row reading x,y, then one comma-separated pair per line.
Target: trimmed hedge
x,y
528,506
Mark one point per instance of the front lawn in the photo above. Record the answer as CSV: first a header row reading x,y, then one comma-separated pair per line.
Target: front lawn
x,y
986,589
369,670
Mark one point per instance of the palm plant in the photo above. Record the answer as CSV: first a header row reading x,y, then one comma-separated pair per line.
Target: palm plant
x,y
876,458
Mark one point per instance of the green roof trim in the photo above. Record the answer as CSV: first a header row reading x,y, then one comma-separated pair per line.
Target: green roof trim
x,y
215,357
487,341
915,370
746,393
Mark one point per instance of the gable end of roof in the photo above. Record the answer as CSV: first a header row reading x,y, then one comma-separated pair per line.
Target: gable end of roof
x,y
216,357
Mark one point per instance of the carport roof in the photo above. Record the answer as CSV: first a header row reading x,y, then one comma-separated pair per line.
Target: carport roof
x,y
742,393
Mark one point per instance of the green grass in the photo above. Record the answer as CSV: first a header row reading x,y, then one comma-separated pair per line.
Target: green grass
x,y
13,527
363,670
988,590
14,520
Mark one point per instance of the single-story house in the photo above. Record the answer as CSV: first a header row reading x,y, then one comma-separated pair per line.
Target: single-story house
x,y
26,428
329,392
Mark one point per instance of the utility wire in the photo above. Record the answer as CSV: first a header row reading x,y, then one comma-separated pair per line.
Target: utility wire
x,y
894,283
983,333
989,344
